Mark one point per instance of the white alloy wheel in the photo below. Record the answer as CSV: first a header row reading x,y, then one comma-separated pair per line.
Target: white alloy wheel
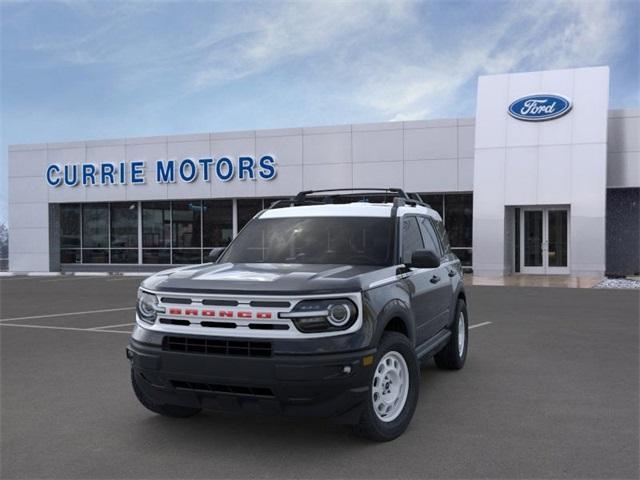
x,y
461,334
390,386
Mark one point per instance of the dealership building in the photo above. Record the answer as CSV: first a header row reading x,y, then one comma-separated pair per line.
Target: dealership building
x,y
544,180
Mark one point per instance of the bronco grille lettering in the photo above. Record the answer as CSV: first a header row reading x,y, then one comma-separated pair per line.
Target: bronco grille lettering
x,y
243,314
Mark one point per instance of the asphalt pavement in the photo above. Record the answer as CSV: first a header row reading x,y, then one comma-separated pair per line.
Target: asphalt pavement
x,y
550,390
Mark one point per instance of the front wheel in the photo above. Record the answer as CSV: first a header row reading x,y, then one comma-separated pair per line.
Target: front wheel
x,y
454,354
394,390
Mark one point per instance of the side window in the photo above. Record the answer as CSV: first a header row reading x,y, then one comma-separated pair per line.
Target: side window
x,y
444,236
411,238
430,237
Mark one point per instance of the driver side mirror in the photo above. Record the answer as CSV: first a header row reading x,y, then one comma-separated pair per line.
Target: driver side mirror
x,y
424,259
215,253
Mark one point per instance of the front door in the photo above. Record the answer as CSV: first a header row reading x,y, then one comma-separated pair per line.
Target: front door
x,y
544,240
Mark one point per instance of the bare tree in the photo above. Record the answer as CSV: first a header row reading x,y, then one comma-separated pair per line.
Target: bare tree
x,y
4,246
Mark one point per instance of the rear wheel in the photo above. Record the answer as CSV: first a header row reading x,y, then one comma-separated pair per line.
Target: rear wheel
x,y
454,354
394,390
165,410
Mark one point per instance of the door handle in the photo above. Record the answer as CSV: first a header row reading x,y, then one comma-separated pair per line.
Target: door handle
x,y
435,279
452,273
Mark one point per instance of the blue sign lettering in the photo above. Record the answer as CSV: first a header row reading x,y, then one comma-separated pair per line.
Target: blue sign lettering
x,y
187,170
267,168
52,180
224,169
165,173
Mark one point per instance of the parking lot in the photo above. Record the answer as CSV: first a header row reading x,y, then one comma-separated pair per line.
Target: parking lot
x,y
550,390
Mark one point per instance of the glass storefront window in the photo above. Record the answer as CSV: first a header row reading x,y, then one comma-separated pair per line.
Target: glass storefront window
x,y
458,218
435,201
217,223
456,210
70,238
95,255
127,255
95,225
464,254
247,209
183,232
69,226
124,225
156,224
186,255
185,221
156,255
70,255
186,231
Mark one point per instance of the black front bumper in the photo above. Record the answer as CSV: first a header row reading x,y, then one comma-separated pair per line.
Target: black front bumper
x,y
322,385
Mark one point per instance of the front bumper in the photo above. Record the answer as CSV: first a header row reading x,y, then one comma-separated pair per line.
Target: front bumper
x,y
319,385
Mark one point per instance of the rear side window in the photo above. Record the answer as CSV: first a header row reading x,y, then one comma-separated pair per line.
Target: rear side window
x,y
411,238
431,241
444,236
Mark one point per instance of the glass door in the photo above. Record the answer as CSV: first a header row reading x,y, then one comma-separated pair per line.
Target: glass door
x,y
532,239
557,240
544,240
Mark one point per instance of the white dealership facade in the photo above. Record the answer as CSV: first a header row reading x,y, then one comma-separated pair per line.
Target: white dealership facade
x,y
518,195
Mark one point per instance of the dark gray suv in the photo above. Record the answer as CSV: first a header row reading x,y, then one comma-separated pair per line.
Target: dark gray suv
x,y
324,304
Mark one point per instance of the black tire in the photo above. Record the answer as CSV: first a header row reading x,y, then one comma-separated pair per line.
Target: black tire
x,y
175,411
450,357
370,425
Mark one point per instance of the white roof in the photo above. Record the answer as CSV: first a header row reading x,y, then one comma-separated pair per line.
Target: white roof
x,y
355,209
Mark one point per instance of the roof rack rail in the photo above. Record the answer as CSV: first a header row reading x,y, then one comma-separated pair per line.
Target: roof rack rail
x,y
310,197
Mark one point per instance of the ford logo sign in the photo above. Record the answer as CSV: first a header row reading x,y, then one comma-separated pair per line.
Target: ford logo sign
x,y
536,108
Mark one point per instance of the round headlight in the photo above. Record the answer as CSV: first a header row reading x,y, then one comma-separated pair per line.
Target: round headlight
x,y
339,314
147,306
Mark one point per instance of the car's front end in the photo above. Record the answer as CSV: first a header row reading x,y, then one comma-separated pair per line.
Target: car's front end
x,y
287,354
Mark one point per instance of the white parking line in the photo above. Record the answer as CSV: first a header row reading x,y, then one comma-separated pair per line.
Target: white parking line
x,y
479,325
113,326
67,314
48,327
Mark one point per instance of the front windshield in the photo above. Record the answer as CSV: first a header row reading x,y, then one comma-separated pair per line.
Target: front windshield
x,y
337,240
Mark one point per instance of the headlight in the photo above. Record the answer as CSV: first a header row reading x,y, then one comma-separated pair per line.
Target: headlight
x,y
311,316
147,306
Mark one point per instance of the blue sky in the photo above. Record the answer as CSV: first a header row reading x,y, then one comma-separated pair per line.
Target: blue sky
x,y
81,70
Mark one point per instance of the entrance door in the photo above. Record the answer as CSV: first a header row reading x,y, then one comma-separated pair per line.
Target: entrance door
x,y
544,240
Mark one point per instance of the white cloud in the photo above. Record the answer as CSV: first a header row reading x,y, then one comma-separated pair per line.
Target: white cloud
x,y
385,56
528,36
294,30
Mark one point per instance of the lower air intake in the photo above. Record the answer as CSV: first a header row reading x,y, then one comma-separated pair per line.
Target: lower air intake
x,y
207,346
215,388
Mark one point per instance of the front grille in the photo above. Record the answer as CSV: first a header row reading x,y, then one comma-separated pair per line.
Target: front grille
x,y
214,388
179,301
209,346
269,304
220,302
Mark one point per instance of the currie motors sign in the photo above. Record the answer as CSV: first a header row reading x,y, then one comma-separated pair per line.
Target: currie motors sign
x,y
188,170
537,108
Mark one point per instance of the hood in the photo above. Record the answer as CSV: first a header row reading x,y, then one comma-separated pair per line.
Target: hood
x,y
266,278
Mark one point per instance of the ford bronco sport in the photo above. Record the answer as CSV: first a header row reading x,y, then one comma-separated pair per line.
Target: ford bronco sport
x,y
320,306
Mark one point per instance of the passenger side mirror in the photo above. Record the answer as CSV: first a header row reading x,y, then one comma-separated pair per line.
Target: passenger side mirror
x,y
424,259
215,253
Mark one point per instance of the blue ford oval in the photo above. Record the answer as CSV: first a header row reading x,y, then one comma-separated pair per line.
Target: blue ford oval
x,y
536,108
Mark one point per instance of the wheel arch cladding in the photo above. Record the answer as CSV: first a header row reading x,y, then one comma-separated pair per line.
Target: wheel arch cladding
x,y
396,317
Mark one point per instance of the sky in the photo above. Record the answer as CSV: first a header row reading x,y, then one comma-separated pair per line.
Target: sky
x,y
73,70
